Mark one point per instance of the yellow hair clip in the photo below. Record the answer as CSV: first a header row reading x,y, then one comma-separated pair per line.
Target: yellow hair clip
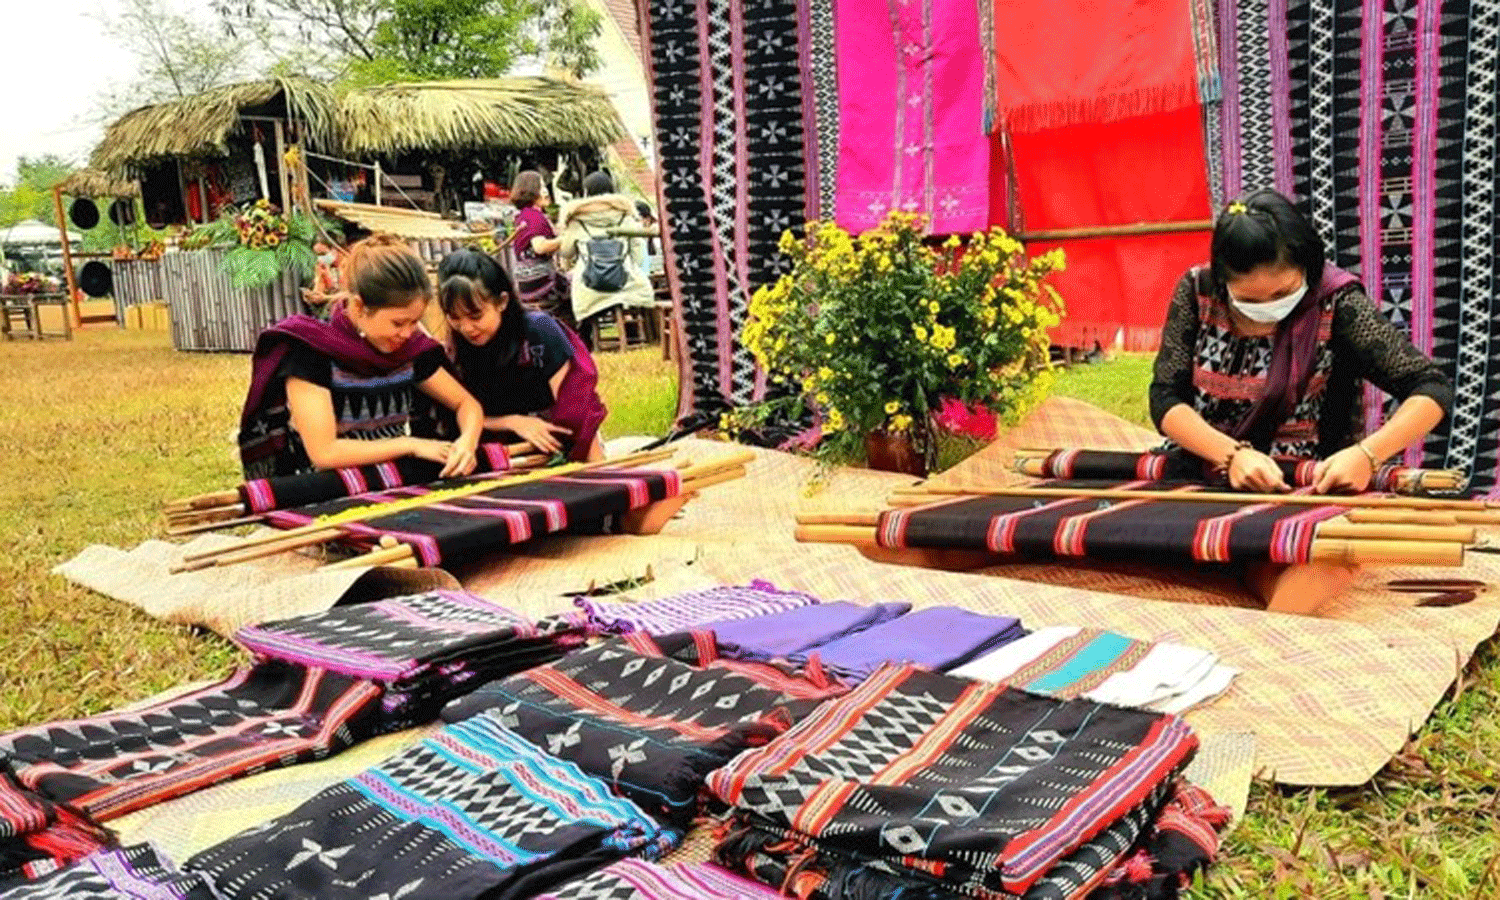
x,y
1236,208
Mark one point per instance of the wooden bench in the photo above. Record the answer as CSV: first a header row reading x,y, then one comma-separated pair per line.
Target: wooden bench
x,y
26,310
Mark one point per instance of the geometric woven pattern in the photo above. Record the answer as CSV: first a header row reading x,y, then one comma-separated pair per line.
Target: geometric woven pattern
x,y
131,873
472,811
632,879
985,787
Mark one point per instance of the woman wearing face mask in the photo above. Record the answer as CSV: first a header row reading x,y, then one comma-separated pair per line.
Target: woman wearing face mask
x,y
1265,353
533,376
327,395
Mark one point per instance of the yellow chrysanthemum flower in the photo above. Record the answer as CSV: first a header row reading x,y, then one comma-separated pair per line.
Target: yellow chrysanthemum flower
x,y
892,407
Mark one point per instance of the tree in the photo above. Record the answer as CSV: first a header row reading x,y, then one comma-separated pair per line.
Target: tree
x,y
375,41
177,54
31,197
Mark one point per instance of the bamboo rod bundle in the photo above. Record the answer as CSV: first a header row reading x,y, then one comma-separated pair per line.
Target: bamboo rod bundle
x,y
1345,551
694,478
1490,509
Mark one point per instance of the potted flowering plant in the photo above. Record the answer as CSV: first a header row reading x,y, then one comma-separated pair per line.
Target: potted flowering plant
x,y
872,332
263,242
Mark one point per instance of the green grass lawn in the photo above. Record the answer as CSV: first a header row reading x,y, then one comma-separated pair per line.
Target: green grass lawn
x,y
96,432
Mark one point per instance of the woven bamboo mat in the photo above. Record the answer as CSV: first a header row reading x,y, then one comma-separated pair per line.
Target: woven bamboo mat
x,y
223,599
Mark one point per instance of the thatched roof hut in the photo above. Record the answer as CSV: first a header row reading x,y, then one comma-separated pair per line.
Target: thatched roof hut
x,y
200,125
499,113
94,183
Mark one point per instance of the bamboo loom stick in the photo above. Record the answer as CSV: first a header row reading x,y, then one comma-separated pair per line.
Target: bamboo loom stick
x,y
215,525
1098,231
1348,551
1333,528
404,555
249,550
1101,493
384,509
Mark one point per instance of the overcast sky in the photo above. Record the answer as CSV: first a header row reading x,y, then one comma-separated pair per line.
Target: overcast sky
x,y
57,59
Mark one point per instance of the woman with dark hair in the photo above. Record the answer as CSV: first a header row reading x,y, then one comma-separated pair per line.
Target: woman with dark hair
x,y
532,374
328,395
1264,355
534,242
600,214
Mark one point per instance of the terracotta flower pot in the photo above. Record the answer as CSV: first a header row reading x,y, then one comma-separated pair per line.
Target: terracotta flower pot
x,y
896,451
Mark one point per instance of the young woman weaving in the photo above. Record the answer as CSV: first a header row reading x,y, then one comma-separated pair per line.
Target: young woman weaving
x,y
1264,354
532,374
327,395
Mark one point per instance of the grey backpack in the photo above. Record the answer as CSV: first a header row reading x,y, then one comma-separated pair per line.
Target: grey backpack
x,y
604,262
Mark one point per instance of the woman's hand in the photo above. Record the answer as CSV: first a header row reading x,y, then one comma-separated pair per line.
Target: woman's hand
x,y
462,459
1349,469
535,431
457,457
1252,470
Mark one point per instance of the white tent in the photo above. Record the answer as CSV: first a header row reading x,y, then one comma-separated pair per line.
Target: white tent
x,y
32,232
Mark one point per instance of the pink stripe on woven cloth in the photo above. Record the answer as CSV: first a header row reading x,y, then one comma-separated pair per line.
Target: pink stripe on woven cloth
x,y
1281,98
258,496
1229,131
1371,145
1424,186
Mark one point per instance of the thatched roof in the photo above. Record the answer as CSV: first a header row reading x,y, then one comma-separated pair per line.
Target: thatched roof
x,y
94,183
499,113
200,125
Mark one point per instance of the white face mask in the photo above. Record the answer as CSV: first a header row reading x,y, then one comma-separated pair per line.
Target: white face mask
x,y
1271,311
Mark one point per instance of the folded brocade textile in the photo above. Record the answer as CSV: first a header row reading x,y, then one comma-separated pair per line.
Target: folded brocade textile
x,y
632,879
1110,529
263,717
687,611
648,725
701,649
1068,661
1179,465
38,836
290,491
475,810
800,630
949,786
937,638
502,516
138,872
423,649
1182,841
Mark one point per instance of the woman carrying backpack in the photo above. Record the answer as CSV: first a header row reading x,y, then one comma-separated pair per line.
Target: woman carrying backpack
x,y
606,270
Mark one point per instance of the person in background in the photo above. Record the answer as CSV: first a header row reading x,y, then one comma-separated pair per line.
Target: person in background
x,y
325,280
534,243
531,373
584,222
652,262
1265,353
327,395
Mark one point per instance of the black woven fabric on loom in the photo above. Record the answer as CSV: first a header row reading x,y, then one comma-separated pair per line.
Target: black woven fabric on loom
x,y
649,726
499,517
291,491
1109,529
424,649
727,92
271,715
951,786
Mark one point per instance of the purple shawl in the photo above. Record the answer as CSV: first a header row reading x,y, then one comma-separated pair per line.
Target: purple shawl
x,y
578,406
265,418
1294,355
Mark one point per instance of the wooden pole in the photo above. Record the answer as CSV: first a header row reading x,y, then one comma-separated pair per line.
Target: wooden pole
x,y
1344,551
1100,231
67,249
281,173
1194,496
215,525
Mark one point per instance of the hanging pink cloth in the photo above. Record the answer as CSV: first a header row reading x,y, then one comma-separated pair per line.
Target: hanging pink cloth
x,y
911,114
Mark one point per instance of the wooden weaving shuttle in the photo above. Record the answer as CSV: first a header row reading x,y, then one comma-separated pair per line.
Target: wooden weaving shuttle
x,y
1451,598
1428,585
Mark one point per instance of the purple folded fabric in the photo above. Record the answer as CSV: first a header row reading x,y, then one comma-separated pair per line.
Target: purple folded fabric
x,y
937,638
799,630
685,612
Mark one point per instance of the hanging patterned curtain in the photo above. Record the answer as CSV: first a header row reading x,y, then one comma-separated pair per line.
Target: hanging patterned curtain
x,y
1380,116
727,95
1104,104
